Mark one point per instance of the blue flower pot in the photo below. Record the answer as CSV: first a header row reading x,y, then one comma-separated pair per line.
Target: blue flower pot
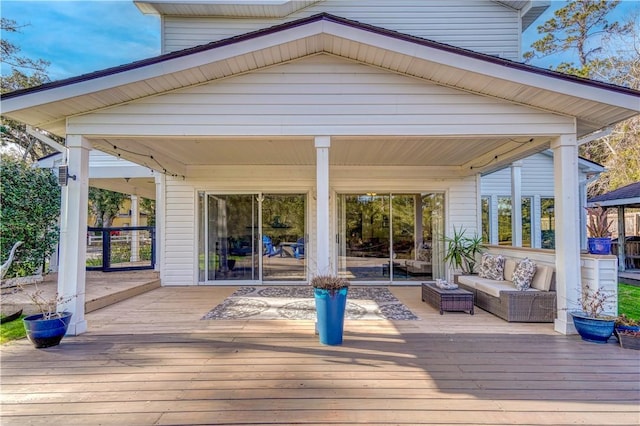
x,y
596,330
599,245
330,307
44,333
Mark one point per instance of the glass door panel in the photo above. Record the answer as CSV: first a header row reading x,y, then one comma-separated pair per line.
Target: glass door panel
x,y
363,252
228,242
404,263
412,225
283,237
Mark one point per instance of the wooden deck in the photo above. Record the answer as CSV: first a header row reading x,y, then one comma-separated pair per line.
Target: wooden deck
x,y
151,360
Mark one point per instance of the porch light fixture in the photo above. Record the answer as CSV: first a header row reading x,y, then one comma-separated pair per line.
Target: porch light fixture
x,y
63,175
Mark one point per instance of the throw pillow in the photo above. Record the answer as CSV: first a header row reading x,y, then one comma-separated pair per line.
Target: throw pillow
x,y
523,274
492,267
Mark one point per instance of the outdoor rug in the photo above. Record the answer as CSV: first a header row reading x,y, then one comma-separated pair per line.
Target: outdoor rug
x,y
297,303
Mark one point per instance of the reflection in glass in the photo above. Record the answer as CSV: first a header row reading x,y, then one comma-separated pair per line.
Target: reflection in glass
x,y
504,221
283,237
390,237
526,222
547,223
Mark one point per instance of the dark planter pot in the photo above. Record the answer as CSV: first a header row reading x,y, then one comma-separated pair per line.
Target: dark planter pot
x,y
330,307
44,333
629,341
599,245
596,330
622,328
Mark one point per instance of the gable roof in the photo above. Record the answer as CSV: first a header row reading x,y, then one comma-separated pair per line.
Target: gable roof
x,y
595,104
628,196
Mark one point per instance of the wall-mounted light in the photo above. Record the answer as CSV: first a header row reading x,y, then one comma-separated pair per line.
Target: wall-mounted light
x,y
63,175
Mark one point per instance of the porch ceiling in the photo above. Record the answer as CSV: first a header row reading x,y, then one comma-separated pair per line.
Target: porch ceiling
x,y
460,156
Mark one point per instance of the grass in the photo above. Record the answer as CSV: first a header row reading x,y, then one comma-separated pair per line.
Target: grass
x,y
629,300
13,330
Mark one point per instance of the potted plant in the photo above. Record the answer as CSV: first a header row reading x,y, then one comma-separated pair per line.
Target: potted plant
x,y
629,339
591,323
48,327
627,329
462,251
598,225
330,294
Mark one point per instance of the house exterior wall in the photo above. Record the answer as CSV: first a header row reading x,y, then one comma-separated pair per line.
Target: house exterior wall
x,y
480,25
181,229
537,182
315,96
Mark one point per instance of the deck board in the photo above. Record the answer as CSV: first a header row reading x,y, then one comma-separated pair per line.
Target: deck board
x,y
151,360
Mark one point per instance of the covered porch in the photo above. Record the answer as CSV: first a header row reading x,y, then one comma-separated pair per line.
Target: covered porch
x,y
148,360
320,108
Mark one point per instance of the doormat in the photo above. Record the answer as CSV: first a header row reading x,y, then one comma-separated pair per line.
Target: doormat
x,y
297,303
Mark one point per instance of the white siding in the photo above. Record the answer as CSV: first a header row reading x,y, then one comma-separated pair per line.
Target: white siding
x,y
479,25
537,178
180,242
319,95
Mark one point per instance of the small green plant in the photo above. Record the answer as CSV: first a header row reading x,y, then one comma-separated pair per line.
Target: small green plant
x,y
462,251
329,282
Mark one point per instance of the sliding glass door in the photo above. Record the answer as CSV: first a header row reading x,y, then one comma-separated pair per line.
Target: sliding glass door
x,y
284,238
390,237
251,237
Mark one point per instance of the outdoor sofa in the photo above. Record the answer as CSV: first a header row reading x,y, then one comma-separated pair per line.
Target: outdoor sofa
x,y
503,299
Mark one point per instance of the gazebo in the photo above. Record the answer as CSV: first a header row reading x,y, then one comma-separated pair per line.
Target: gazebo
x,y
627,248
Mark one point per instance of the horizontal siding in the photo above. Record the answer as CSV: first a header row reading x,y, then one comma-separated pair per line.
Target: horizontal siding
x,y
536,178
479,25
181,232
319,95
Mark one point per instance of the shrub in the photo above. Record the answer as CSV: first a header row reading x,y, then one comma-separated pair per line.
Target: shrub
x,y
29,213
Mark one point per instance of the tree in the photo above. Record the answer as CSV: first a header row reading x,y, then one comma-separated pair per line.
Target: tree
x,y
607,51
148,206
579,27
104,205
25,73
29,213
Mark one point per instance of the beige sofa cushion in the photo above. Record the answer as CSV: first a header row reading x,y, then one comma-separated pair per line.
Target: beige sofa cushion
x,y
468,280
509,267
543,277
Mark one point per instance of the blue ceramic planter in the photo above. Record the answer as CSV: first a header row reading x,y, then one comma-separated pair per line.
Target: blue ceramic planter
x,y
330,307
599,245
596,330
44,333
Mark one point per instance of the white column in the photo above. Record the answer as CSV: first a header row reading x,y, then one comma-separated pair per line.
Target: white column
x,y
160,183
567,217
73,234
583,213
493,212
135,221
516,204
323,237
622,252
536,222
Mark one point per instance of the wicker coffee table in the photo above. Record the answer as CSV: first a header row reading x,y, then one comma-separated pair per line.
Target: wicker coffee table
x,y
458,300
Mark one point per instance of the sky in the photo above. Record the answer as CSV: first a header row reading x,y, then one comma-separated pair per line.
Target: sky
x,y
78,37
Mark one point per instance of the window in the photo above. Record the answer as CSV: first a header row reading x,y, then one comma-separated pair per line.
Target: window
x,y
504,221
547,223
526,222
486,220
